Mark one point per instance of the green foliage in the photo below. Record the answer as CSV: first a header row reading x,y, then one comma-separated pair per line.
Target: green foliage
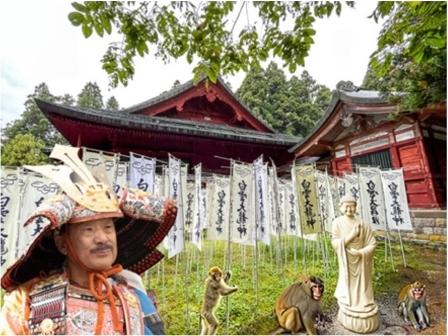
x,y
32,131
260,281
23,149
410,85
414,29
112,104
411,55
90,96
34,122
290,107
180,29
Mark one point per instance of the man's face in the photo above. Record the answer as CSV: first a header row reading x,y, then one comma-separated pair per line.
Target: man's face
x,y
95,243
348,209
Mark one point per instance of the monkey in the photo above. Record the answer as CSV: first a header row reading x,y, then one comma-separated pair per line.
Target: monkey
x,y
412,305
298,307
215,288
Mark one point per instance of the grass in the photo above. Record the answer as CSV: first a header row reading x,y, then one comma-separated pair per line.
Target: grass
x,y
179,281
260,280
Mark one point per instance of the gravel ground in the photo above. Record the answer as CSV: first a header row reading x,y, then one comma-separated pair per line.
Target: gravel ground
x,y
390,322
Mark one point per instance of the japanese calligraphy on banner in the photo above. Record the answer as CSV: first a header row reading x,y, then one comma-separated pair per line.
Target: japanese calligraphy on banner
x,y
176,241
281,205
397,210
198,209
276,216
242,228
334,196
308,203
272,208
121,180
372,199
219,222
10,224
352,185
183,185
189,205
261,200
341,187
92,158
291,219
142,172
324,195
37,188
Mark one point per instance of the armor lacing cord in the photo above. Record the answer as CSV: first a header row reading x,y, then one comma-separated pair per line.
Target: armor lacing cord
x,y
101,280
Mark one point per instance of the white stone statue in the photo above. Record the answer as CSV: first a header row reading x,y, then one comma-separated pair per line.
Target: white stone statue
x,y
354,243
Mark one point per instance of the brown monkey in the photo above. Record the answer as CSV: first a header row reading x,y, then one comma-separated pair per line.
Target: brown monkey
x,y
412,305
298,306
215,288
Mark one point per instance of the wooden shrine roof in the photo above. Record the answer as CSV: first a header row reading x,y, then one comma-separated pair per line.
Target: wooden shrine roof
x,y
178,94
354,105
126,120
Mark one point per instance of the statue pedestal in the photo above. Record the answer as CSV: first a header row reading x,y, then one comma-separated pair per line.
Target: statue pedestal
x,y
362,325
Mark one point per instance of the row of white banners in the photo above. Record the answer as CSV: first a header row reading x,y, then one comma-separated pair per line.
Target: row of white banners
x,y
251,204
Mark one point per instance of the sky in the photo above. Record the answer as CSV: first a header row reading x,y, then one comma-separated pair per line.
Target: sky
x,y
38,44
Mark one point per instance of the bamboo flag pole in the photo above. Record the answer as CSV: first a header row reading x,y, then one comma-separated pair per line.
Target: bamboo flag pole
x,y
229,260
163,281
402,249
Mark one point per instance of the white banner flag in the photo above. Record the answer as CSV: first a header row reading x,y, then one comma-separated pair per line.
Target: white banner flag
x,y
92,158
341,186
121,180
10,225
352,185
291,211
159,185
308,202
395,200
219,222
142,172
281,194
176,243
198,210
261,200
189,205
372,198
334,195
242,228
323,195
37,188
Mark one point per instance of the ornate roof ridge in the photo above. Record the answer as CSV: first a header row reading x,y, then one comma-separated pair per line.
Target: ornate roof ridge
x,y
118,118
185,86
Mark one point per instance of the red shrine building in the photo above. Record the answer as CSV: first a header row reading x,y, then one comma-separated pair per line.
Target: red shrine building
x,y
357,130
209,125
194,123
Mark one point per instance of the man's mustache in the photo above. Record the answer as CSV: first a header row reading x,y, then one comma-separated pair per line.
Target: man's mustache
x,y
102,248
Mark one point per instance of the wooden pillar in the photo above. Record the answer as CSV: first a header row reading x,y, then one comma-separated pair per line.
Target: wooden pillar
x,y
78,142
427,173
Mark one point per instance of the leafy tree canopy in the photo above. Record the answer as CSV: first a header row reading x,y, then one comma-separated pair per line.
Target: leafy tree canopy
x,y
112,104
34,127
411,55
181,29
289,106
90,96
34,122
23,149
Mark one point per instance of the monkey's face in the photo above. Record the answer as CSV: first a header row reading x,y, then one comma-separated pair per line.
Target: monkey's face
x,y
317,291
417,289
217,276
